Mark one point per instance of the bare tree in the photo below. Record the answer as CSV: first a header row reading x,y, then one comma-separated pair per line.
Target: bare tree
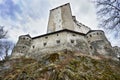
x,y
108,12
5,46
2,32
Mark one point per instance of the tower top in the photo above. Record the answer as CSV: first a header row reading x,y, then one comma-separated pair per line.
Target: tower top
x,y
61,18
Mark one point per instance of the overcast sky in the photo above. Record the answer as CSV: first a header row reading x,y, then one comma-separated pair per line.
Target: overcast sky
x,y
22,17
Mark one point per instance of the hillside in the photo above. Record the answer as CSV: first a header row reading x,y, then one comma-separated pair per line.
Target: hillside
x,y
61,66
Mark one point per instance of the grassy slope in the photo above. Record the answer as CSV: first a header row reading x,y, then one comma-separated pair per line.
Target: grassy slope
x,y
62,66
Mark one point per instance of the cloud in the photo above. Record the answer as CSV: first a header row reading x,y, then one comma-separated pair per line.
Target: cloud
x,y
8,9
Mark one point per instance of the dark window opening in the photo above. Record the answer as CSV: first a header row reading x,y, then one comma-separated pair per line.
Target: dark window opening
x,y
23,38
91,47
90,35
45,44
97,33
89,41
46,37
58,41
73,34
23,46
57,34
72,41
33,46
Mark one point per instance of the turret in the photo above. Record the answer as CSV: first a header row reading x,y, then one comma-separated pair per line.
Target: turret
x,y
99,43
22,46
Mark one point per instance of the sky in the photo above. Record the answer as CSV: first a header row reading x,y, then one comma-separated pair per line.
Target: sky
x,y
20,17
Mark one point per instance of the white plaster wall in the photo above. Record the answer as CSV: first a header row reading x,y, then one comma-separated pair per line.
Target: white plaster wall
x,y
65,44
51,41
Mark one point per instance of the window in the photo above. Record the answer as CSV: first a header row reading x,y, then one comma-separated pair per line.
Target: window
x,y
90,47
33,46
58,41
23,46
73,34
46,37
90,35
72,41
23,38
97,33
44,44
57,34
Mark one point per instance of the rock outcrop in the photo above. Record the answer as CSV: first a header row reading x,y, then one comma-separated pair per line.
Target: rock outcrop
x,y
61,66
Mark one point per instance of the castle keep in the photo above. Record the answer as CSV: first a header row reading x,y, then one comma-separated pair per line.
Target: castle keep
x,y
64,32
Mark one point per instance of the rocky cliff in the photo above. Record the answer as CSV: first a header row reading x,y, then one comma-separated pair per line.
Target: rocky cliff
x,y
61,66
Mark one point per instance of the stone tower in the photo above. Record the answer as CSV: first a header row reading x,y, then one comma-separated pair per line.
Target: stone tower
x,y
61,18
22,46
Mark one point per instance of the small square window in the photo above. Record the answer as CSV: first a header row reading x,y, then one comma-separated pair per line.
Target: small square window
x,y
58,41
46,37
73,34
57,34
90,35
23,38
72,41
33,46
91,47
44,44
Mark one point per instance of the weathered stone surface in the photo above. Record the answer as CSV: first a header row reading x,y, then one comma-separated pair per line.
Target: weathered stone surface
x,y
62,66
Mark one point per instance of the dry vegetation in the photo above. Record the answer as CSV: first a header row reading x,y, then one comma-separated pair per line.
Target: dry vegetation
x,y
61,66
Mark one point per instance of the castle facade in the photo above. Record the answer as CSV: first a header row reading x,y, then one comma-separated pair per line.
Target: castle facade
x,y
64,32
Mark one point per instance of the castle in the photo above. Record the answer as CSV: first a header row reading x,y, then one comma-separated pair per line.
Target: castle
x,y
64,32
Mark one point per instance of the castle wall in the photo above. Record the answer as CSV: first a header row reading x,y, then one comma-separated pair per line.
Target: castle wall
x,y
77,43
22,47
99,42
81,28
59,42
49,43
